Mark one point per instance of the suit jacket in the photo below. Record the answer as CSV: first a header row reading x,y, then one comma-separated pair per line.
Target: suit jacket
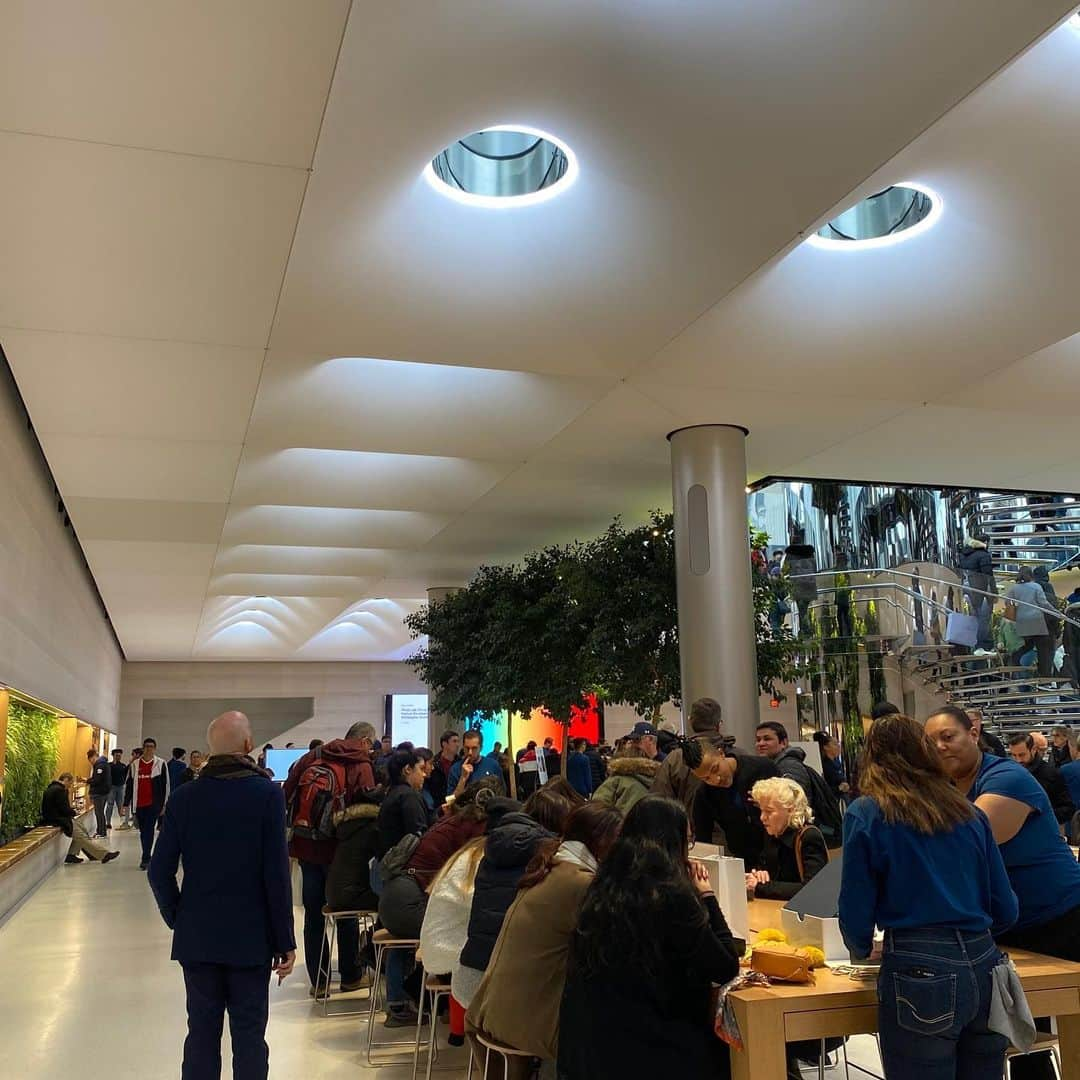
x,y
228,829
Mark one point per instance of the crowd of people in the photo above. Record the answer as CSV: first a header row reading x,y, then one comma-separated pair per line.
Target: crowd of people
x,y
568,912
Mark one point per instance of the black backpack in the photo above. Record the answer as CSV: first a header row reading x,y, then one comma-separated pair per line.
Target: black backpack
x,y
828,816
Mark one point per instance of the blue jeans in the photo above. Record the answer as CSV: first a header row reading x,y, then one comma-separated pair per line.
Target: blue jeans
x,y
398,962
116,798
245,992
934,1002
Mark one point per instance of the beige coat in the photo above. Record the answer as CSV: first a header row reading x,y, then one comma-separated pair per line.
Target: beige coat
x,y
518,1000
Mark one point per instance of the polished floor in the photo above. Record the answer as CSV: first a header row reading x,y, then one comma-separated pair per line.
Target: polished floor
x,y
87,990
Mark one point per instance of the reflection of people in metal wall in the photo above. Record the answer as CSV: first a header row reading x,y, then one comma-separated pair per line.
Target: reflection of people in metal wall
x,y
842,597
800,560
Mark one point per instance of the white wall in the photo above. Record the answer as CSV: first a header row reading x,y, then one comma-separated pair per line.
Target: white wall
x,y
55,641
343,692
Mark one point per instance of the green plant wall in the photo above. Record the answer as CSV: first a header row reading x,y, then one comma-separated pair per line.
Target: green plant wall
x,y
33,749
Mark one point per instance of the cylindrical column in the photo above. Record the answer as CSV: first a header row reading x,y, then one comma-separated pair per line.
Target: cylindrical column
x,y
438,722
717,648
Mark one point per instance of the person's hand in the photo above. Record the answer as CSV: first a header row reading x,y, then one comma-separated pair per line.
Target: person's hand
x,y
699,875
467,769
751,882
283,965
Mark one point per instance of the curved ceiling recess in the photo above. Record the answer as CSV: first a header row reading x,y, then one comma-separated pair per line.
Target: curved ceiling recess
x,y
501,166
890,216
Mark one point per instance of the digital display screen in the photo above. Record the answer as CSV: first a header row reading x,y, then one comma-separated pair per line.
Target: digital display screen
x,y
408,718
279,762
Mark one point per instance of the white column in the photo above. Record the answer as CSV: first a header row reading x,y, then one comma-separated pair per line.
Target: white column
x,y
718,655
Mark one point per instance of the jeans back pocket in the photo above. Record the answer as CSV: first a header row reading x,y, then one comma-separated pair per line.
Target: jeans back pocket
x,y
925,1003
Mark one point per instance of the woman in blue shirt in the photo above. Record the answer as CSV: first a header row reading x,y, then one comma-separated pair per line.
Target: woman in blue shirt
x,y
921,863
1044,874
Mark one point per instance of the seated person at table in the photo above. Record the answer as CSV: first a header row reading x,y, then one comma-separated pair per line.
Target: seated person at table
x,y
650,942
794,849
446,923
921,862
519,996
508,851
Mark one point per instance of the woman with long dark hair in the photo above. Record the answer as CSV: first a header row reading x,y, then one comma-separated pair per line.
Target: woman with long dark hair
x,y
921,863
518,999
403,811
649,944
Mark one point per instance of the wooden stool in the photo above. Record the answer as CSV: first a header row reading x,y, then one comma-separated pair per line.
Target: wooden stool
x,y
384,942
365,920
491,1046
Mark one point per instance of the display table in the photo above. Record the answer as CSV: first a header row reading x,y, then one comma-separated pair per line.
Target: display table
x,y
838,1005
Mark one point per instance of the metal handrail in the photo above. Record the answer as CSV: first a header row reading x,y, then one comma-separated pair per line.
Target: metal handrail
x,y
993,596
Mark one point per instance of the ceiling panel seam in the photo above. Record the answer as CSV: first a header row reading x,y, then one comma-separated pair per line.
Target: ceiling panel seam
x,y
152,150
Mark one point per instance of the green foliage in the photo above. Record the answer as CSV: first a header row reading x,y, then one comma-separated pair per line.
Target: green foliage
x,y
33,749
599,616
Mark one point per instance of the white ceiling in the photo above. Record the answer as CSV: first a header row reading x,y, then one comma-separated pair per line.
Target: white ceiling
x,y
284,385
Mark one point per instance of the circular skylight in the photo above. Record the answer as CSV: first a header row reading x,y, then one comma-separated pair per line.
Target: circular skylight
x,y
505,165
888,217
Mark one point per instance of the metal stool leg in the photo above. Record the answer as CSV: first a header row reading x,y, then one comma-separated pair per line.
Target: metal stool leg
x,y
419,1026
433,1034
330,940
379,951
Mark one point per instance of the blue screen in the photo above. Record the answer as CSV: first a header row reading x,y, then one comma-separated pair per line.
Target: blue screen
x,y
279,762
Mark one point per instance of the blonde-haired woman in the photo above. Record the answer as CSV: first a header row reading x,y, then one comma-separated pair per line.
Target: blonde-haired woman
x,y
794,848
446,922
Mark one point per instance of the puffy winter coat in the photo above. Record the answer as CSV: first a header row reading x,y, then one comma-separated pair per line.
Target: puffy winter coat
x,y
507,852
348,884
629,779
975,562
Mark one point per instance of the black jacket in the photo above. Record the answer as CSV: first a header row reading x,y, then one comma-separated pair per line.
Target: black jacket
x,y
731,809
402,812
1053,783
778,857
100,777
56,808
119,773
976,563
659,1023
348,884
507,851
235,904
792,764
597,766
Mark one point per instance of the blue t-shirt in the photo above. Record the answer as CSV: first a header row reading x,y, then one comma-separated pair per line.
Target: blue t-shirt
x,y
897,878
1071,773
486,766
1043,872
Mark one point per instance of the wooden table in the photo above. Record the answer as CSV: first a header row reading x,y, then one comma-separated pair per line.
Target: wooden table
x,y
838,1005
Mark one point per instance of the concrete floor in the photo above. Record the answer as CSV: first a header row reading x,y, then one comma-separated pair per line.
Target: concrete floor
x,y
87,991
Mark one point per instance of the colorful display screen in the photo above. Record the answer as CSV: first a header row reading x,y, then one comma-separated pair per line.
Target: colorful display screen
x,y
537,726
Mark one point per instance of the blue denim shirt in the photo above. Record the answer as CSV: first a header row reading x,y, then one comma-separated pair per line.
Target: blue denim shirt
x,y
897,878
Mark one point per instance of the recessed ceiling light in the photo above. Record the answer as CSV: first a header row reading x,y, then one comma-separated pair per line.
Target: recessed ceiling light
x,y
1074,20
503,166
890,216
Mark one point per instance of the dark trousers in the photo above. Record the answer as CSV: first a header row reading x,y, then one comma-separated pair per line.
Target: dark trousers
x,y
1043,645
147,817
245,992
1061,938
99,802
348,931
